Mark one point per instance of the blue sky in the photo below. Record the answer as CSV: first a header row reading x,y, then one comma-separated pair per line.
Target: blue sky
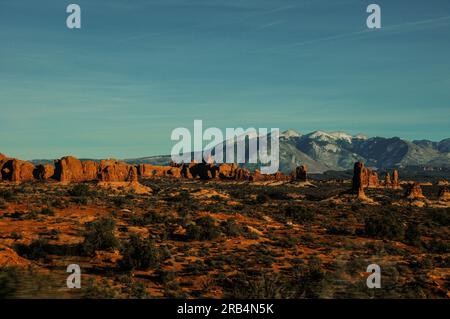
x,y
138,69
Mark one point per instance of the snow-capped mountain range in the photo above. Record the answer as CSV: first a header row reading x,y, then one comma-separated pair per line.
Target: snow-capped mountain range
x,y
323,151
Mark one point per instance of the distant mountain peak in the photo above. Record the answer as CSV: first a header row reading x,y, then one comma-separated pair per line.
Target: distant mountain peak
x,y
290,133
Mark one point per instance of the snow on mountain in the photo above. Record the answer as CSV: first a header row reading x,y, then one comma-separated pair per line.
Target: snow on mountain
x,y
290,133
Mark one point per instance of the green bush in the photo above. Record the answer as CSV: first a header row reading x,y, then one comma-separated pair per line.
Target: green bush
x,y
139,254
99,235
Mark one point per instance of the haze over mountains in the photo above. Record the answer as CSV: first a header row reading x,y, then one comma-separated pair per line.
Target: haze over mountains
x,y
323,151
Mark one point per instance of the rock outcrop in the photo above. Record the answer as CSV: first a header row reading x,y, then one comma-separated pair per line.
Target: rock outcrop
x,y
300,173
387,180
444,194
414,191
395,181
44,172
370,178
150,171
15,170
69,169
90,170
358,180
115,171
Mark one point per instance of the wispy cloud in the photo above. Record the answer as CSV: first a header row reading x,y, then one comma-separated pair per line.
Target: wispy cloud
x,y
403,27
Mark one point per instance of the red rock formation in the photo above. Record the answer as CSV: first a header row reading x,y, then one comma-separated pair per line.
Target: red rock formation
x,y
358,177
175,172
444,194
15,170
115,171
414,191
387,180
257,176
185,171
44,172
69,169
242,174
226,170
132,174
300,173
370,178
149,171
203,170
395,181
90,170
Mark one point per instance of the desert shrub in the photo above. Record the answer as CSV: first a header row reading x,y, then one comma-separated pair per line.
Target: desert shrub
x,y
147,219
99,290
441,216
277,194
438,246
309,280
412,235
37,249
231,228
286,242
165,276
339,230
384,227
7,194
9,280
262,198
139,254
99,235
47,211
16,236
58,203
182,197
249,286
120,201
80,190
204,229
299,214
